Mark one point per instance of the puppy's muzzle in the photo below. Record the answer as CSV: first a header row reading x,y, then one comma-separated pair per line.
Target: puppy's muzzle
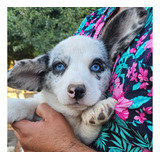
x,y
76,91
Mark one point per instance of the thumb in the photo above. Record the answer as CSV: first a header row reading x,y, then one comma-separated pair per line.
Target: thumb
x,y
45,111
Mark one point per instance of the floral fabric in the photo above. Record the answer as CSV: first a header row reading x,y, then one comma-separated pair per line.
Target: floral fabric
x,y
130,129
92,25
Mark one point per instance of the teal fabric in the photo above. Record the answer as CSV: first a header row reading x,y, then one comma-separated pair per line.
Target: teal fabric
x,y
130,129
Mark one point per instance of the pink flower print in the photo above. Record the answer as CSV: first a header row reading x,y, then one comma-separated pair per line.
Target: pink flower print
x,y
151,36
123,103
151,79
133,68
129,73
147,110
145,150
98,29
92,13
143,75
132,50
82,32
140,118
121,108
139,42
114,77
87,24
149,44
134,77
117,82
144,85
92,21
122,114
151,93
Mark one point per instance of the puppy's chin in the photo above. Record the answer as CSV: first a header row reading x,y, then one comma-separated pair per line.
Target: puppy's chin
x,y
80,105
77,106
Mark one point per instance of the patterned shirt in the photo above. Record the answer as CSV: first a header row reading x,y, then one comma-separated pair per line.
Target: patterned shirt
x,y
130,129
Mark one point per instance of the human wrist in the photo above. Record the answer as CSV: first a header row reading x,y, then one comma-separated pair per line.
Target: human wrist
x,y
77,146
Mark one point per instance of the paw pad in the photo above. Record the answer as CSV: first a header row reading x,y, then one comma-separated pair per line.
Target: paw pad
x,y
92,120
101,115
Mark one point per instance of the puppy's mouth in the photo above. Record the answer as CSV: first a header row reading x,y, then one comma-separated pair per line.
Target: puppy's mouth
x,y
77,104
80,104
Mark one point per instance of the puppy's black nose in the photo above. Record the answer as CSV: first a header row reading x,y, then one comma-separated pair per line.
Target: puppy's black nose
x,y
76,91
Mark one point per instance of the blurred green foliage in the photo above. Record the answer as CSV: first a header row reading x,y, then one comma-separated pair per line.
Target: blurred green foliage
x,y
35,30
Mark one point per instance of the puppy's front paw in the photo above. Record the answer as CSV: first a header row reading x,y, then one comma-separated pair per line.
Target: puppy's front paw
x,y
100,112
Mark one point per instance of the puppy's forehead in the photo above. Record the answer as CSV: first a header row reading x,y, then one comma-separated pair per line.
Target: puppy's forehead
x,y
78,47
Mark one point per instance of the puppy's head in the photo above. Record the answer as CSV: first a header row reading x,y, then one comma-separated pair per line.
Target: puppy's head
x,y
77,70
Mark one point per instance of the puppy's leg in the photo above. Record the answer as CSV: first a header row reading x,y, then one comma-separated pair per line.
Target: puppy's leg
x,y
94,117
19,109
100,112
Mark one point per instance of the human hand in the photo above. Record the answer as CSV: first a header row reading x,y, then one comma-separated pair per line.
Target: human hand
x,y
53,133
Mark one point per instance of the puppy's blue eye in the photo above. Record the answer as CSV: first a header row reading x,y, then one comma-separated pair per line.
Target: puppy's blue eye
x,y
60,67
95,67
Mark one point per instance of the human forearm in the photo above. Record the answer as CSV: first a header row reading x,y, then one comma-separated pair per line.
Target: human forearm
x,y
77,146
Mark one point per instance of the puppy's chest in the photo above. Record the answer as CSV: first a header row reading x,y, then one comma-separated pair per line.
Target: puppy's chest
x,y
75,123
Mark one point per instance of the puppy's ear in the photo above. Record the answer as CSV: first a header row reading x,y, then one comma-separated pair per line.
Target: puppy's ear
x,y
122,29
28,74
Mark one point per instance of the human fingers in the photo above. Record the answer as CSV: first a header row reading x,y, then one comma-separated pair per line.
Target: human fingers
x,y
46,112
21,127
